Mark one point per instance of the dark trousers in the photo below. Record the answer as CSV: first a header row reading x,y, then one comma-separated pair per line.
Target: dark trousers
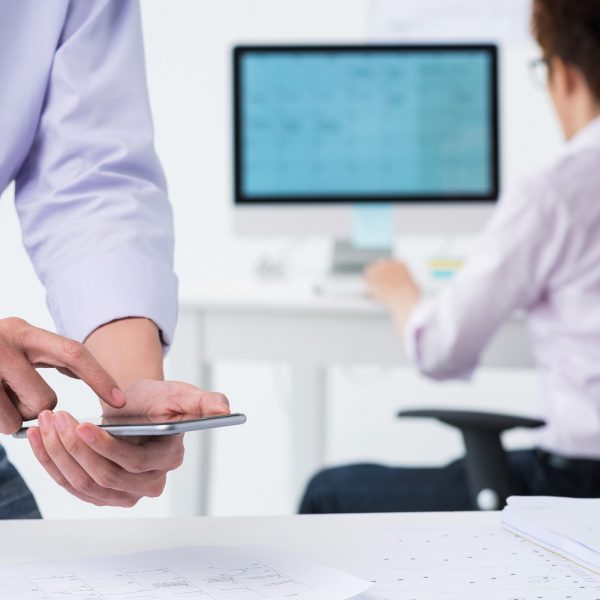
x,y
16,501
375,488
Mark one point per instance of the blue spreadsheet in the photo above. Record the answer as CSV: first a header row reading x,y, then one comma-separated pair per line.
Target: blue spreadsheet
x,y
352,124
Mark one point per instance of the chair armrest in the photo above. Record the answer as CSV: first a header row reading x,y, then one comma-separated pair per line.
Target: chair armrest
x,y
469,420
489,478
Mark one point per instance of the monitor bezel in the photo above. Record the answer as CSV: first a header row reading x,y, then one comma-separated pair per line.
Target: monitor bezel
x,y
241,199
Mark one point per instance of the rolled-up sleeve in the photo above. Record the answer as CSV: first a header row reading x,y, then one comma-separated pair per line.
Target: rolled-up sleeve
x,y
91,195
508,269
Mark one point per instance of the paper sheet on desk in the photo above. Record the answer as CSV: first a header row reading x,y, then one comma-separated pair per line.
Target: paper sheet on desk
x,y
568,526
195,573
456,561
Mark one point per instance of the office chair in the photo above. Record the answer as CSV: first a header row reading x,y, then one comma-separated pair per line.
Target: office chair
x,y
488,475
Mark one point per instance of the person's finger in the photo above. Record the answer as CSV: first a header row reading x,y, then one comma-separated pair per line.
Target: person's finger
x,y
62,370
37,446
10,418
371,271
30,394
103,471
161,454
190,400
210,404
44,347
72,470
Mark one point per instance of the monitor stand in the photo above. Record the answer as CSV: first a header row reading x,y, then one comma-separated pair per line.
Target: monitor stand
x,y
350,260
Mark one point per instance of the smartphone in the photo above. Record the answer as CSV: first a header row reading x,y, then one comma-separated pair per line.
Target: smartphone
x,y
161,425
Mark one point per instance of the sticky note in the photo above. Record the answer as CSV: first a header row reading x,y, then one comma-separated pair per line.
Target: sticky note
x,y
372,226
444,268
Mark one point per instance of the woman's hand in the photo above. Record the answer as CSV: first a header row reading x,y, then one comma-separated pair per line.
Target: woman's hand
x,y
105,470
23,392
391,283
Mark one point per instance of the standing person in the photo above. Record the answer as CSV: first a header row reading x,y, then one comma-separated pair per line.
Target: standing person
x,y
76,137
539,253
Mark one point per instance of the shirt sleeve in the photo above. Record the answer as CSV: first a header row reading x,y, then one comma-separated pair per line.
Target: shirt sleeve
x,y
508,269
91,195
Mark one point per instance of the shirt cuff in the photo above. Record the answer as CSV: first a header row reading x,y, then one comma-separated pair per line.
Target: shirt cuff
x,y
112,286
413,330
433,356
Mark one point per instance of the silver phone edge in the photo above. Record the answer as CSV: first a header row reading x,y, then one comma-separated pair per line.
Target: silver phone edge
x,y
164,428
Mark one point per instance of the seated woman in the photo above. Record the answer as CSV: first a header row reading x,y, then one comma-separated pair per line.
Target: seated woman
x,y
540,253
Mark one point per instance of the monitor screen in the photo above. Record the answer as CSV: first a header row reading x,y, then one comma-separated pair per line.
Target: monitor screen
x,y
365,123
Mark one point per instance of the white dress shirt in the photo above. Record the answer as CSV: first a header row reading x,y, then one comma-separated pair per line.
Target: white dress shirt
x,y
541,253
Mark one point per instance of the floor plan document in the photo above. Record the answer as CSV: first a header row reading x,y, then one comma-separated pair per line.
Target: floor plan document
x,y
463,563
198,573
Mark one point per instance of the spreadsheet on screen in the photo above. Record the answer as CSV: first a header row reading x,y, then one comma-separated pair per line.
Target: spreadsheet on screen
x,y
366,123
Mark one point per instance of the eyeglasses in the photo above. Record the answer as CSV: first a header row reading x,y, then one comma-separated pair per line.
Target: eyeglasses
x,y
539,70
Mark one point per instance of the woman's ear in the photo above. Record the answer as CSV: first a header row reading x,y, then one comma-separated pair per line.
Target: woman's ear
x,y
571,95
560,84
566,77
573,79
559,77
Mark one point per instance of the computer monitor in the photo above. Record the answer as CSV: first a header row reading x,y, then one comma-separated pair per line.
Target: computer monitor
x,y
319,129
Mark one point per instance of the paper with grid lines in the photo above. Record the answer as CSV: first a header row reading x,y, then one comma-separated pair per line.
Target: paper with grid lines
x,y
468,563
196,573
567,526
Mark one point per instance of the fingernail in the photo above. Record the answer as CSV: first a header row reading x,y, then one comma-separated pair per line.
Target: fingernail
x,y
44,420
221,398
87,434
119,397
60,422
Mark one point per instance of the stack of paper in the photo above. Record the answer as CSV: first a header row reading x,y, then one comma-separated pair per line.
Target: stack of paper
x,y
568,526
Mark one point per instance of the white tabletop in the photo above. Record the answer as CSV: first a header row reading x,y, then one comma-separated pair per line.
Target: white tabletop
x,y
277,294
289,316
330,539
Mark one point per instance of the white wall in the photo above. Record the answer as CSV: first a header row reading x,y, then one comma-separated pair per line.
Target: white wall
x,y
188,46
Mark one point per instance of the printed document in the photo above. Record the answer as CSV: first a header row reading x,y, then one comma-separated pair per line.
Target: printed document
x,y
568,526
195,573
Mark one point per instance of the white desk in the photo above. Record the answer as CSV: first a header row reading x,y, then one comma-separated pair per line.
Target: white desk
x,y
288,322
358,544
331,539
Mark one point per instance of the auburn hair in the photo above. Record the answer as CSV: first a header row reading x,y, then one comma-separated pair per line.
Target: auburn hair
x,y
570,29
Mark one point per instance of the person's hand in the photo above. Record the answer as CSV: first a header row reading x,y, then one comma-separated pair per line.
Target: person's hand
x,y
390,282
104,470
23,392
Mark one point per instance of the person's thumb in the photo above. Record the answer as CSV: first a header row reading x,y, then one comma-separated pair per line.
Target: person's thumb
x,y
207,404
